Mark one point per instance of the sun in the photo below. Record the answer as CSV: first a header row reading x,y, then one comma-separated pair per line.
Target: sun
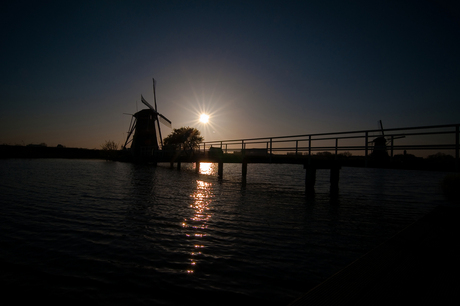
x,y
204,118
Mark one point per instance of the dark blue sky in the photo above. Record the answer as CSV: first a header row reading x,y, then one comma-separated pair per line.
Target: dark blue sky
x,y
260,68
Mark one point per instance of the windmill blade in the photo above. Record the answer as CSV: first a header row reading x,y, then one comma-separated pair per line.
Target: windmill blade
x,y
154,94
132,126
164,120
381,127
148,105
159,117
158,121
398,137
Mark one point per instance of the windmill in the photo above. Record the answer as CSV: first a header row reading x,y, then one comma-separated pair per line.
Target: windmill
x,y
145,124
381,142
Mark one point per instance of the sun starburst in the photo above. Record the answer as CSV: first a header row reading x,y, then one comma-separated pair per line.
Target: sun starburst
x,y
204,118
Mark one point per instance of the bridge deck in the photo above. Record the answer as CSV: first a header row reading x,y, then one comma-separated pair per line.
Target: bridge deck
x,y
315,161
237,158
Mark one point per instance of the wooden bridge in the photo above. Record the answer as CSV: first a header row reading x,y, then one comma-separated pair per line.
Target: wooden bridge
x,y
393,148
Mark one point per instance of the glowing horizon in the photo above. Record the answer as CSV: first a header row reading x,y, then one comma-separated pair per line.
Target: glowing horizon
x,y
331,80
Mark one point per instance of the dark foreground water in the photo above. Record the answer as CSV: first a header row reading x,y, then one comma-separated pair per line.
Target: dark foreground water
x,y
108,233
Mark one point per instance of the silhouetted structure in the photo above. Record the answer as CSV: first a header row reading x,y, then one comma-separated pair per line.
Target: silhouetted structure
x,y
379,153
147,131
145,134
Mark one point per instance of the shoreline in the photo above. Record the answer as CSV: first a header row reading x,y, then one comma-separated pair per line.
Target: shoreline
x,y
37,151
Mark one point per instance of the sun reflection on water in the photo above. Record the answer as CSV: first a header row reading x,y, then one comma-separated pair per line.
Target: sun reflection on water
x,y
207,168
195,225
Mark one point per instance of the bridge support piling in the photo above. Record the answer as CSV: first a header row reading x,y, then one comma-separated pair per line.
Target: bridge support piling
x,y
197,167
310,179
457,146
220,169
244,169
335,173
178,165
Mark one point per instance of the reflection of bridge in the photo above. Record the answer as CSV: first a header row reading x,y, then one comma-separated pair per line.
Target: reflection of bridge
x,y
333,150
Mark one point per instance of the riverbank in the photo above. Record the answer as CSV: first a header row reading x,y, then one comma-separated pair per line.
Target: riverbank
x,y
38,151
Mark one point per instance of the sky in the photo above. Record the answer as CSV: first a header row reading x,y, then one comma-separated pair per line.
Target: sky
x,y
70,70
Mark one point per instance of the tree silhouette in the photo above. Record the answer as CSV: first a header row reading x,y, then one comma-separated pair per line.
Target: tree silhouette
x,y
109,149
109,145
185,138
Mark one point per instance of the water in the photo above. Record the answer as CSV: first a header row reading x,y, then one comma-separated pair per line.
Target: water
x,y
108,233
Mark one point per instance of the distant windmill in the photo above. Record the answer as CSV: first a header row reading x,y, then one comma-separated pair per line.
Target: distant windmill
x,y
380,143
146,129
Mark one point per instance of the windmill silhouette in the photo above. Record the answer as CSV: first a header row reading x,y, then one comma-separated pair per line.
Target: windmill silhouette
x,y
381,144
145,130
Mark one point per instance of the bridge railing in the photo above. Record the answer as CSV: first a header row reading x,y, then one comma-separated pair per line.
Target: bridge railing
x,y
424,140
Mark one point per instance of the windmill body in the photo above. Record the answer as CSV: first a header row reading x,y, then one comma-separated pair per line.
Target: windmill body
x,y
145,131
380,148
145,140
380,145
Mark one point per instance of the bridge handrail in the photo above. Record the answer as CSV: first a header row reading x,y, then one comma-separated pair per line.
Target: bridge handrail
x,y
275,144
337,133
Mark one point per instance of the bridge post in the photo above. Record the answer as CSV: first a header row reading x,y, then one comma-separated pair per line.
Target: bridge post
x,y
220,169
197,166
244,169
457,147
310,179
271,147
391,151
336,148
178,165
366,146
335,171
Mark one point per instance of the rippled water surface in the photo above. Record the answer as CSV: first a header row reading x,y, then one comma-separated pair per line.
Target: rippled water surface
x,y
113,233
